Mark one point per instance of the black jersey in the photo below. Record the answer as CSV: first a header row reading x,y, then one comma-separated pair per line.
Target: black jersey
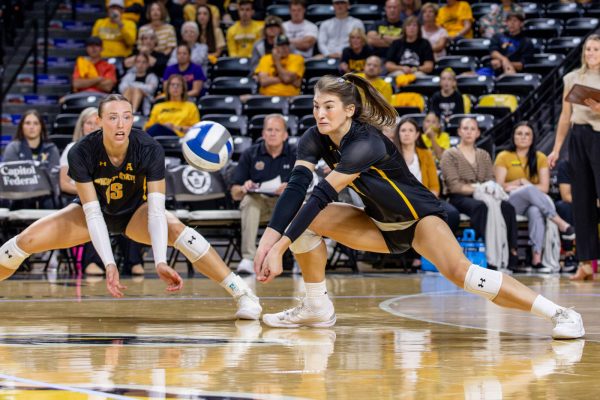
x,y
120,189
386,186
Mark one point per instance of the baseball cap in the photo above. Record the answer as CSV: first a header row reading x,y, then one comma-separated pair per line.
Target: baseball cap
x,y
93,41
281,40
116,3
273,20
515,14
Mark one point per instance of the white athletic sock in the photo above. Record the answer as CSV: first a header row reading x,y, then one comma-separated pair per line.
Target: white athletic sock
x,y
544,308
234,285
316,294
11,255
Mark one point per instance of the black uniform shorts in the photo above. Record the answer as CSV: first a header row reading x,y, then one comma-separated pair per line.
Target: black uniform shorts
x,y
116,224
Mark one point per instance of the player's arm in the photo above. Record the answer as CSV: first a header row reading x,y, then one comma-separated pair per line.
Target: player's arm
x,y
157,220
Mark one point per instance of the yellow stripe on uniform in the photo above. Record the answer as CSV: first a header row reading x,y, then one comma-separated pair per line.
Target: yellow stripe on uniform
x,y
408,204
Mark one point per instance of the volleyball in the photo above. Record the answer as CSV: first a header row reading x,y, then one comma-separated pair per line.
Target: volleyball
x,y
207,146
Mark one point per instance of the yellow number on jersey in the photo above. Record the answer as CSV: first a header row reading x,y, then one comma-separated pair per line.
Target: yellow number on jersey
x,y
114,192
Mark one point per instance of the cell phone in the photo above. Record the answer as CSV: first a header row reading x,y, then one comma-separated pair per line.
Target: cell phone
x,y
114,14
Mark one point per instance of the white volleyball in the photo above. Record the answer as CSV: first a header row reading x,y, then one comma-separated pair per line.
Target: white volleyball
x,y
207,146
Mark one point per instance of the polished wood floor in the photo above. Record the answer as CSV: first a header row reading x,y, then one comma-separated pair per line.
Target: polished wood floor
x,y
397,337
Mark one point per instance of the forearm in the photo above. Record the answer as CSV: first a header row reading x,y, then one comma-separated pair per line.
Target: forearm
x,y
268,80
291,199
304,43
393,67
82,83
157,226
106,85
98,232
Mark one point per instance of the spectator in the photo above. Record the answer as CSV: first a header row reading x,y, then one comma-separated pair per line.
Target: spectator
x,y
564,207
435,34
139,85
372,73
494,22
117,33
173,11
133,9
302,33
273,28
189,35
92,73
334,32
411,54
242,35
210,33
456,18
465,166
510,50
280,73
176,115
409,8
157,16
147,45
192,73
386,30
355,56
524,174
271,160
433,137
448,101
190,11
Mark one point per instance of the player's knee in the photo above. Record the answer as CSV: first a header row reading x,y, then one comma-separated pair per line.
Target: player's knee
x,y
308,241
192,244
483,282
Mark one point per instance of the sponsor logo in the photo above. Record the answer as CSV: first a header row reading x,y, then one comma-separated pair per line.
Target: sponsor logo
x,y
195,181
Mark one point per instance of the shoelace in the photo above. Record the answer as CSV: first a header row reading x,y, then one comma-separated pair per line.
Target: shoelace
x,y
562,315
298,309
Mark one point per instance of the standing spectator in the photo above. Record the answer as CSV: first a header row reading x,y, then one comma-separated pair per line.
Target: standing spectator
x,y
302,33
147,45
564,207
435,34
157,16
494,22
273,27
270,159
176,115
210,34
448,100
355,56
190,11
280,73
133,9
372,73
92,73
433,136
386,30
456,18
192,73
189,35
334,32
510,50
117,33
411,54
242,35
583,121
139,85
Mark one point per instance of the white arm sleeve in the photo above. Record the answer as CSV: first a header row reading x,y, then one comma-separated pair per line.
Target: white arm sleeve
x,y
98,232
157,226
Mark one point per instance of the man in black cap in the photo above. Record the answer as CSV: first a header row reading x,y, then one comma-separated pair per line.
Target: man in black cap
x,y
273,28
510,49
92,73
280,73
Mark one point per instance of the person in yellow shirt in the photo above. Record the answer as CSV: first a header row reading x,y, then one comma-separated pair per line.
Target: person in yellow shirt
x,y
242,35
190,11
372,73
457,18
280,73
133,9
433,137
118,34
176,115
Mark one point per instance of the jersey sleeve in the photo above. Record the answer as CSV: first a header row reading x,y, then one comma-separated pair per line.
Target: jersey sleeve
x,y
358,156
80,164
309,147
156,164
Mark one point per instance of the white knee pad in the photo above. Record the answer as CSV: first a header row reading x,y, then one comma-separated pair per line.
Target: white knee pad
x,y
192,244
483,282
306,242
11,256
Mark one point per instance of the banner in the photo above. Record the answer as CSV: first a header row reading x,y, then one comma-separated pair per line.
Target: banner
x,y
23,180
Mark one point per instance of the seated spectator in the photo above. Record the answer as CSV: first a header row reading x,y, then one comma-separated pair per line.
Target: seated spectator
x,y
92,73
564,208
242,35
372,73
192,73
189,36
273,28
302,33
524,174
210,33
510,50
133,9
494,22
117,34
355,55
176,115
409,8
190,11
268,160
456,18
147,45
334,32
433,137
280,73
157,16
448,101
411,54
463,168
139,85
435,34
386,30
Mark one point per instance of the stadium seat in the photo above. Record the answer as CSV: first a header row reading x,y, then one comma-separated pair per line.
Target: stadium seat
x,y
171,145
256,124
319,12
231,66
518,84
531,9
478,47
240,144
563,44
498,105
366,12
475,84
75,103
543,63
459,64
542,28
580,26
306,122
592,10
320,67
538,45
481,9
308,86
61,140
259,104
235,124
426,85
563,11
280,10
484,121
64,124
408,103
220,104
301,105
232,85
417,117
139,121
